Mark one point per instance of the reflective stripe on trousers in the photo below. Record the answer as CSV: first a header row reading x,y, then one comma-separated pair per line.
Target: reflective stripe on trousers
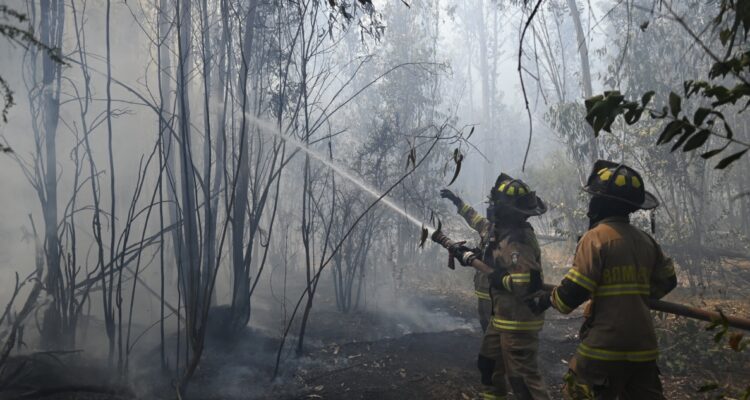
x,y
482,295
610,355
508,325
492,396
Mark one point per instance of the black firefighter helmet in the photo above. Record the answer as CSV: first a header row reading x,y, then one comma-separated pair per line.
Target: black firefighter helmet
x,y
514,194
619,182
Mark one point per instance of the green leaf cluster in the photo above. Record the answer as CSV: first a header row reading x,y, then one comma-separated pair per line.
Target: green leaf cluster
x,y
727,84
690,132
602,110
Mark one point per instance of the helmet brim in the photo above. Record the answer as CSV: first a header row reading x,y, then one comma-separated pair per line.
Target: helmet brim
x,y
649,200
541,208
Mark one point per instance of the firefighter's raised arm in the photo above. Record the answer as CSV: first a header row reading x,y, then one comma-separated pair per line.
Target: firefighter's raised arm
x,y
475,220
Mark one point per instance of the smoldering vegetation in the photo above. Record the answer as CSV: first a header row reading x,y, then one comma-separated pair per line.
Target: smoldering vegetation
x,y
224,198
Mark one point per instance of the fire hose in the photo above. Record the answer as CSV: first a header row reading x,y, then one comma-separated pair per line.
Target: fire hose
x,y
654,304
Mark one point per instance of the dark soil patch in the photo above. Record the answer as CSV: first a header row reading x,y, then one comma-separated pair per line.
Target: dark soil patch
x,y
435,365
441,365
422,348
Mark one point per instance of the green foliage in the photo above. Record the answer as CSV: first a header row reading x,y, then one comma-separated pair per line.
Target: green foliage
x,y
685,351
691,132
567,119
718,391
602,110
727,85
735,340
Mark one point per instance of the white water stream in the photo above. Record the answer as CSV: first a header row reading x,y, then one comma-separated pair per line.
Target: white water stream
x,y
272,129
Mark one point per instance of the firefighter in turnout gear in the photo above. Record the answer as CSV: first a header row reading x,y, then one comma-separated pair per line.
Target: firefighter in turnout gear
x,y
481,283
616,266
510,343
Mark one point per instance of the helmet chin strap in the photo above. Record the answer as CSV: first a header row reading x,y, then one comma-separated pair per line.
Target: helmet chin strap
x,y
652,217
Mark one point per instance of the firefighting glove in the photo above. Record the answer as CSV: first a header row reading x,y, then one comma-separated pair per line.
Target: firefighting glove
x,y
447,194
464,254
539,301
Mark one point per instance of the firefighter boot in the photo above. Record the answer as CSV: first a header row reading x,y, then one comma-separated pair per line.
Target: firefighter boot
x,y
493,379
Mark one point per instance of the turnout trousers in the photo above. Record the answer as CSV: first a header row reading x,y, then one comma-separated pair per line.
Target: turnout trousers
x,y
590,379
484,309
513,354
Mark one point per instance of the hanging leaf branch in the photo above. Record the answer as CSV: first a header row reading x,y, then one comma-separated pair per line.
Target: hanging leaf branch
x,y
457,159
691,131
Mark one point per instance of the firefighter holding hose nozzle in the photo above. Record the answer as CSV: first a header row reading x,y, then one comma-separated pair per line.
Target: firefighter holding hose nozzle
x,y
481,283
509,246
618,267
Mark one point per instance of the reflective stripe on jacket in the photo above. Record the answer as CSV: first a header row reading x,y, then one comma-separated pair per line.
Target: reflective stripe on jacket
x,y
516,251
618,266
482,225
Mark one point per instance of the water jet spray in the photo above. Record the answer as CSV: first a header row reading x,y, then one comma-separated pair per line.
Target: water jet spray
x,y
272,129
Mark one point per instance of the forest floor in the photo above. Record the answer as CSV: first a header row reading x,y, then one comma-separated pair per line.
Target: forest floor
x,y
424,365
442,365
423,346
